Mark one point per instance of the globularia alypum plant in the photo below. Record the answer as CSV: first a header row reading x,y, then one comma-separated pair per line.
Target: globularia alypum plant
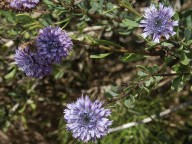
x,y
158,31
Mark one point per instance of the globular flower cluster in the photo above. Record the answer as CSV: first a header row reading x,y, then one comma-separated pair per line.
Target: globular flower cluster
x,y
51,46
158,22
23,4
87,120
31,63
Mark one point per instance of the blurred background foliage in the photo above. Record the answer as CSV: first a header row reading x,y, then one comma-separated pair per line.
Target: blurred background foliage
x,y
31,110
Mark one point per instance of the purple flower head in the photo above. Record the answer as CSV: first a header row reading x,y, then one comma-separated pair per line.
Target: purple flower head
x,y
158,22
53,44
26,4
87,120
31,63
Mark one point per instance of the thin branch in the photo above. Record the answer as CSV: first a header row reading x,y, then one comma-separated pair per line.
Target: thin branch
x,y
98,16
121,50
171,74
149,119
123,94
120,96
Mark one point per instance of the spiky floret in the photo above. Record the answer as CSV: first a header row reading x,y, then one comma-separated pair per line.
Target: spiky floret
x,y
158,22
87,120
31,63
23,4
53,44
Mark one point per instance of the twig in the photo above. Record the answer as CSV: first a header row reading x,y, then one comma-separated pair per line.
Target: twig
x,y
149,119
120,50
120,96
171,74
98,16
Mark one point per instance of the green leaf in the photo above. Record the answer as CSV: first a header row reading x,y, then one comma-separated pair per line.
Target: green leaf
x,y
129,103
105,42
180,48
23,108
11,74
189,42
131,57
149,82
184,59
125,33
101,4
158,78
130,23
10,16
32,104
176,16
166,44
187,33
142,74
142,67
188,21
187,13
111,94
48,3
96,6
24,18
146,89
177,84
100,55
59,74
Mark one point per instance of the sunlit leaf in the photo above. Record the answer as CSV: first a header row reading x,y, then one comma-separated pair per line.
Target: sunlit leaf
x,y
100,56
